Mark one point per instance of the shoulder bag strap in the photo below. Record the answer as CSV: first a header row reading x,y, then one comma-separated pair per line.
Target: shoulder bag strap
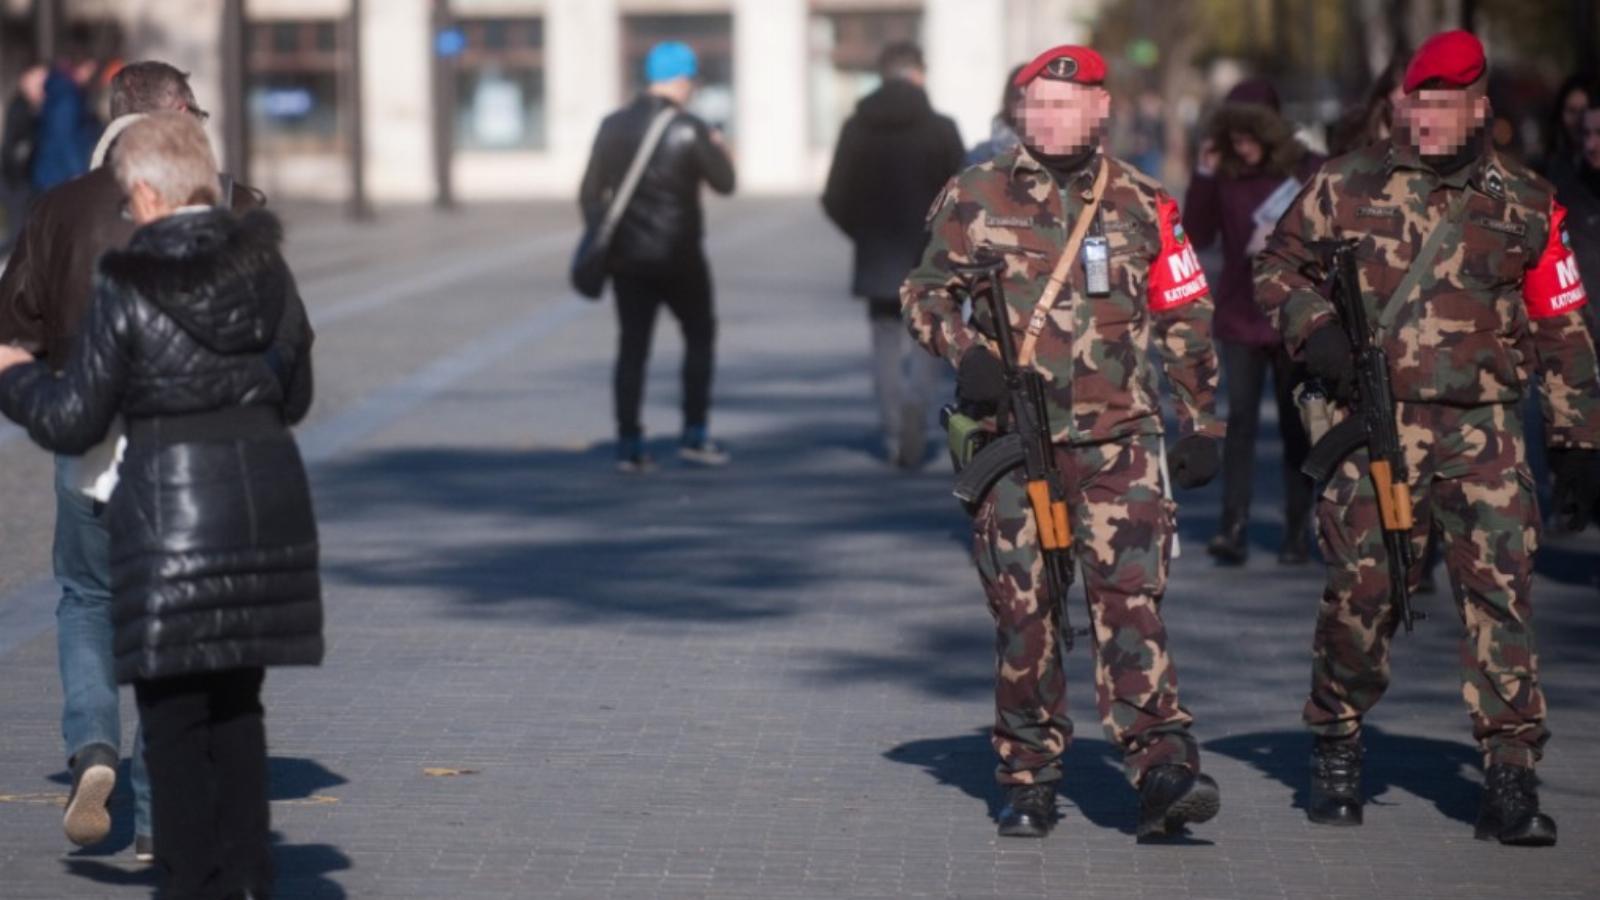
x,y
1063,270
630,181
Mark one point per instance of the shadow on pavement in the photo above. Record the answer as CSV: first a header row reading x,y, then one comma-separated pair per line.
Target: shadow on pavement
x,y
1436,771
557,536
1093,783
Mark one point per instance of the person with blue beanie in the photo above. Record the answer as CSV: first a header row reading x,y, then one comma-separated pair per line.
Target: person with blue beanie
x,y
656,256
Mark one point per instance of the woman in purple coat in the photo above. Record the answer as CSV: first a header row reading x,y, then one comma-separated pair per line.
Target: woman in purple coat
x,y
1250,168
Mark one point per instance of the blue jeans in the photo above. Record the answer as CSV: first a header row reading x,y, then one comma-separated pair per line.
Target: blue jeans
x,y
91,713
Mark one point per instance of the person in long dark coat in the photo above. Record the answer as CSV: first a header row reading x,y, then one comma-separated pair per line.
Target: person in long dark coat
x,y
1252,163
198,341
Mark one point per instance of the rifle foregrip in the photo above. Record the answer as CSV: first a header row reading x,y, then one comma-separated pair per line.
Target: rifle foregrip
x,y
1394,498
1402,507
1050,515
1058,513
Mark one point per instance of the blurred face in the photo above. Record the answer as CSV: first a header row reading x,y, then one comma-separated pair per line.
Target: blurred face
x,y
1059,117
1247,148
1572,111
1591,138
1439,123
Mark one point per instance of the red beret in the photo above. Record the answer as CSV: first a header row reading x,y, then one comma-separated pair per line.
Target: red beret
x,y
1455,58
1079,65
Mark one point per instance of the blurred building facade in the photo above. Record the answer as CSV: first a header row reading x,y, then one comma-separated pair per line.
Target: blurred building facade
x,y
492,99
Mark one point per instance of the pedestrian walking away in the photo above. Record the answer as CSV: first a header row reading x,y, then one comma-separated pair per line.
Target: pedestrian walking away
x,y
197,338
17,151
893,156
656,257
1098,272
1465,266
44,296
1251,166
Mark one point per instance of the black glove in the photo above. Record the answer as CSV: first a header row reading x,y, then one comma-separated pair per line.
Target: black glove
x,y
1195,460
981,381
1328,357
1577,485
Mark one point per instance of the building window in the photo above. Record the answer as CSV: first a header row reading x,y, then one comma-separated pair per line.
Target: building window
x,y
500,84
843,62
711,36
293,72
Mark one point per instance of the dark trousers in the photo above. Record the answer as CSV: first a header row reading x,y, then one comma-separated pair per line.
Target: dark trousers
x,y
206,748
685,290
1246,369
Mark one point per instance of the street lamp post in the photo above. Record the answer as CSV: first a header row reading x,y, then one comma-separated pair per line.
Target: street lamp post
x,y
357,206
442,67
46,29
235,112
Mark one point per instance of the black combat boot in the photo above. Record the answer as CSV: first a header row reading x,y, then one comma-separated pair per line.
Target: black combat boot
x,y
1335,783
1510,811
1230,547
1296,549
1171,797
1030,810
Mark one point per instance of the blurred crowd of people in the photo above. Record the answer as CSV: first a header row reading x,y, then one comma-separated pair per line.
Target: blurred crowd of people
x,y
52,123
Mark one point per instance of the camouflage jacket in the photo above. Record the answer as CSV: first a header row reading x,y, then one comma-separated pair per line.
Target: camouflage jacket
x,y
1500,303
1095,352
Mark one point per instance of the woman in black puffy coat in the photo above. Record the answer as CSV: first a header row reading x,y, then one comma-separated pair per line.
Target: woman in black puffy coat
x,y
198,341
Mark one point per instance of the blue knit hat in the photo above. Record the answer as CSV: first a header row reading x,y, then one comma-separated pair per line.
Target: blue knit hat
x,y
669,60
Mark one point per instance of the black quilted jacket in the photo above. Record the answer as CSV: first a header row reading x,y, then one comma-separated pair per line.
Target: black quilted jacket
x,y
197,337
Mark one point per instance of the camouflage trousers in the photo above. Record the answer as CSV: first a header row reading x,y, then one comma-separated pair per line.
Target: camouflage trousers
x,y
1471,486
1122,527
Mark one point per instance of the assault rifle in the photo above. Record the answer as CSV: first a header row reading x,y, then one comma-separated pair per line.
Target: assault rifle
x,y
1371,424
1030,438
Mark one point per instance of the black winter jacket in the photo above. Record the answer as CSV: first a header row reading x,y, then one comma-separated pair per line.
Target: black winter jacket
x,y
663,222
198,338
893,156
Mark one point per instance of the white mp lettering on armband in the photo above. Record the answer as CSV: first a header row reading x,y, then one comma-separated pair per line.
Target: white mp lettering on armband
x,y
1183,265
1567,272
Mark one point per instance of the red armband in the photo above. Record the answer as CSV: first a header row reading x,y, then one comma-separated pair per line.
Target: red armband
x,y
1175,276
1553,287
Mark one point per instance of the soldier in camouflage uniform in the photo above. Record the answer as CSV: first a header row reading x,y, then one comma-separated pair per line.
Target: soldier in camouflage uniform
x,y
1498,302
1094,353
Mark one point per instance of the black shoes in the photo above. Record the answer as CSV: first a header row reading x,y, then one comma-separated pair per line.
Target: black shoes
x,y
94,774
1510,811
1171,797
1296,550
1030,810
1229,547
1335,783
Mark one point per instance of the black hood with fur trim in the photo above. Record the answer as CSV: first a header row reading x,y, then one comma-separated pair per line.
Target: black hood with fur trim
x,y
198,341
217,276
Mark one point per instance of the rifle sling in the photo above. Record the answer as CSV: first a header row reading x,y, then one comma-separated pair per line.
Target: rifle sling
x,y
1451,226
1063,269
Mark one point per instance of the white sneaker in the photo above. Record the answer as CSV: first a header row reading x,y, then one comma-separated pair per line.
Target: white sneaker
x,y
705,453
637,464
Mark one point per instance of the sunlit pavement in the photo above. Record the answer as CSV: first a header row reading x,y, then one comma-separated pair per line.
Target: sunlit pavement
x,y
546,679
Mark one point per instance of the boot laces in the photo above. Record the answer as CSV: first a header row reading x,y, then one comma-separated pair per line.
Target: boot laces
x,y
1032,796
1338,762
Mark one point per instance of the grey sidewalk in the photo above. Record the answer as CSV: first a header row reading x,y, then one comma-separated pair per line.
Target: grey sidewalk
x,y
765,682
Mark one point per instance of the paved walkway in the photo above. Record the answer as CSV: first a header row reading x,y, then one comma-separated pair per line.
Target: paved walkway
x,y
546,680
